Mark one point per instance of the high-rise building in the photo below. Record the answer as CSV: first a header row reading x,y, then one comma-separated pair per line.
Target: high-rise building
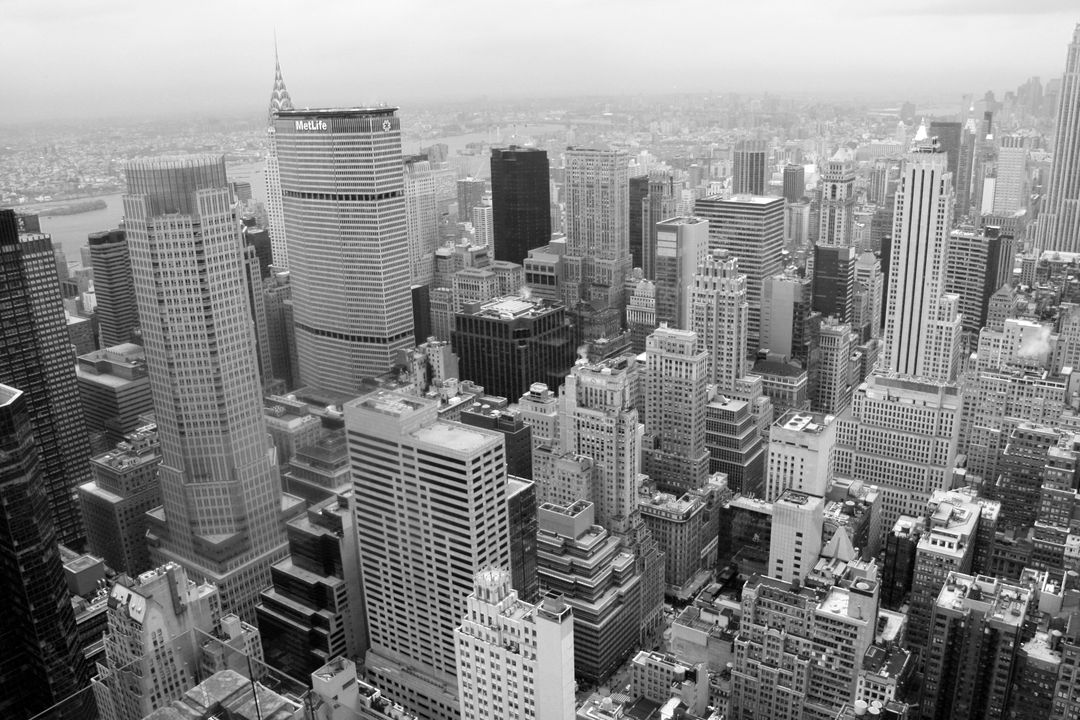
x,y
786,308
977,264
483,225
1012,182
314,611
598,239
681,246
950,136
223,511
795,543
800,646
115,392
421,219
674,453
834,281
152,648
976,634
832,393
901,435
431,512
470,194
837,218
116,311
752,229
869,284
507,344
521,201
41,662
36,357
515,659
794,183
352,304
748,165
718,314
280,333
1059,224
596,576
800,454
114,504
598,419
275,213
922,332
658,204
639,197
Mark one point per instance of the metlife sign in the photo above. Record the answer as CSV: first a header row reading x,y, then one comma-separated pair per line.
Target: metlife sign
x,y
312,125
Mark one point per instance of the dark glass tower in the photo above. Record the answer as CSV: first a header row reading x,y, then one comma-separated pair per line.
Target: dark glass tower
x,y
950,136
639,191
118,315
36,357
41,663
521,201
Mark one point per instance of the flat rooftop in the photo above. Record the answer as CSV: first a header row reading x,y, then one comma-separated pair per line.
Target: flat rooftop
x,y
803,422
462,438
336,112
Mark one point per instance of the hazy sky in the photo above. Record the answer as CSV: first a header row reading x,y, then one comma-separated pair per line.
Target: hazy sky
x,y
100,58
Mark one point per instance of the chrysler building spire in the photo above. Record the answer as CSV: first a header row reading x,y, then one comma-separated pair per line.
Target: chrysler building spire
x,y
279,98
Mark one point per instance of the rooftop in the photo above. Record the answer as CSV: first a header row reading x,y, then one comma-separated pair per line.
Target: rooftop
x,y
462,438
803,422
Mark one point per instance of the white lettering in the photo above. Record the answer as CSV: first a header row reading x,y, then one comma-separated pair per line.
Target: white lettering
x,y
311,125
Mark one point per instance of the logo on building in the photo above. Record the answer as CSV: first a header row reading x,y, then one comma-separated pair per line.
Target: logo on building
x,y
311,125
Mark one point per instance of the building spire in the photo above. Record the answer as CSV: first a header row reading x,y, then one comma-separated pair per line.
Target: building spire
x,y
279,98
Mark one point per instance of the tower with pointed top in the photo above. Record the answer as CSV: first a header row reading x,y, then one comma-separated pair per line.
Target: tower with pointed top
x,y
1059,226
279,100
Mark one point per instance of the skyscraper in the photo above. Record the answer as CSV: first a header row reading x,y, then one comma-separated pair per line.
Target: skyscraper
x,y
470,193
521,201
598,238
430,499
718,312
344,206
279,101
1059,225
597,418
794,183
36,357
950,136
752,229
516,659
222,517
117,313
682,244
422,219
41,662
922,331
837,219
749,167
675,397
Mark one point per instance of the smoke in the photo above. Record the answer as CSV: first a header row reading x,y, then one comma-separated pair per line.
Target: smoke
x,y
525,292
583,352
1035,342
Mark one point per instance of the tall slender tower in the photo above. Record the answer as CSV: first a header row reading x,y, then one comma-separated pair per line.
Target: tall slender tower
x,y
36,357
922,332
41,662
118,316
222,516
837,219
675,396
718,315
598,238
1059,226
343,194
279,100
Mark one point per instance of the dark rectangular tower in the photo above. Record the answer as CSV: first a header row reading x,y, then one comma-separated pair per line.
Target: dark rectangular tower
x,y
521,201
117,312
36,357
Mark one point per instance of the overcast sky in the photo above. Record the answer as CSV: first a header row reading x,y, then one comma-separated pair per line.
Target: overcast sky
x,y
101,58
